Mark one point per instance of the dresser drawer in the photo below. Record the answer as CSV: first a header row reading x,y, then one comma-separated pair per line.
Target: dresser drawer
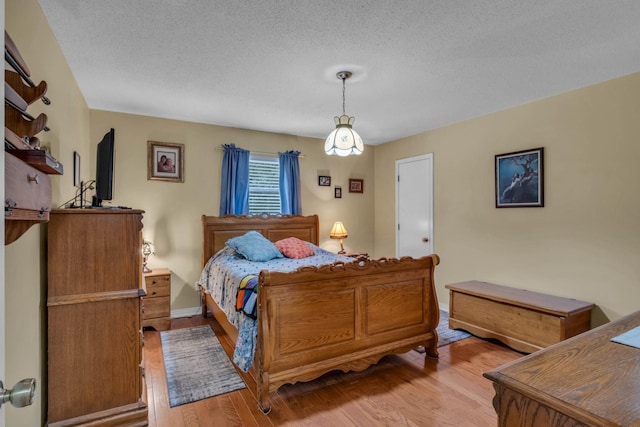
x,y
157,302
156,307
158,286
27,191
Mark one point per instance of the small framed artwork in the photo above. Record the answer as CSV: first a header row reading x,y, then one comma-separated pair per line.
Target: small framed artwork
x,y
337,192
165,161
76,169
520,179
324,181
356,185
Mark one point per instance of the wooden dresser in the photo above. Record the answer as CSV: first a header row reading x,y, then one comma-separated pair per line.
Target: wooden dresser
x,y
585,380
95,373
156,312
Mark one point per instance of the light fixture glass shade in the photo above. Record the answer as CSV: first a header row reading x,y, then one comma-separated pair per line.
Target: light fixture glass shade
x,y
338,231
343,141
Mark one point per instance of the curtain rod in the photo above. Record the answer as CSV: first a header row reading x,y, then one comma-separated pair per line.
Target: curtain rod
x,y
270,153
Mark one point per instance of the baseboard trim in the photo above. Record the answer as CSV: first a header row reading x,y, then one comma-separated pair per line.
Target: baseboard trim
x,y
186,312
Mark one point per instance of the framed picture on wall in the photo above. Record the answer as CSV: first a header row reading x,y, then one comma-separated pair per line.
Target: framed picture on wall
x,y
337,192
324,181
356,185
165,161
519,179
76,169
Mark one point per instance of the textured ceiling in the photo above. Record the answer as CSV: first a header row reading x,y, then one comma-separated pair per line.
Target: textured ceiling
x,y
271,65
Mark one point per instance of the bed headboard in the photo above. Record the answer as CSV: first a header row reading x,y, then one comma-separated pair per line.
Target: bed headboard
x,y
217,230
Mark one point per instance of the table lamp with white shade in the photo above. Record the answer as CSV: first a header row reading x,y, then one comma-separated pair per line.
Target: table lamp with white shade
x,y
147,250
339,232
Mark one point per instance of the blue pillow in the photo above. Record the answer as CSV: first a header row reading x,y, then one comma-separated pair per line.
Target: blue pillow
x,y
254,247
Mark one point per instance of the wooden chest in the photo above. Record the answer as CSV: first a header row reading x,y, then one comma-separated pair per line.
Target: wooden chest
x,y
526,321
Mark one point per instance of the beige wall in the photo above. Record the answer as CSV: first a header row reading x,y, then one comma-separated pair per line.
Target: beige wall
x,y
25,259
173,210
583,244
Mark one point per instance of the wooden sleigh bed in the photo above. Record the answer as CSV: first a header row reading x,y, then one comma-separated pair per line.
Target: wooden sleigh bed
x,y
343,316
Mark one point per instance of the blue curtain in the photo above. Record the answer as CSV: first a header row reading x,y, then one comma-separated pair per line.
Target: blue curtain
x,y
234,191
290,202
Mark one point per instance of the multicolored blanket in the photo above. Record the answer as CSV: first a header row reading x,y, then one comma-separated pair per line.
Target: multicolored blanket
x,y
247,299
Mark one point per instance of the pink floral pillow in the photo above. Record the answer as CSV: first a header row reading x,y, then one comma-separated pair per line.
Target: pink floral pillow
x,y
292,247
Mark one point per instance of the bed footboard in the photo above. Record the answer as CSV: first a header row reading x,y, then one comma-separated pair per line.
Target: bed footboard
x,y
342,317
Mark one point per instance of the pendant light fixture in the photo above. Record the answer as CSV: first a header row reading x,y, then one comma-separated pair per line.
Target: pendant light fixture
x,y
343,141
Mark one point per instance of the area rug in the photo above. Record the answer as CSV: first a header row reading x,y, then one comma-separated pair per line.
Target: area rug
x,y
196,365
445,335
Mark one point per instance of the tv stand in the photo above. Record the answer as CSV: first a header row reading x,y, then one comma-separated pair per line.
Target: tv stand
x,y
96,203
108,208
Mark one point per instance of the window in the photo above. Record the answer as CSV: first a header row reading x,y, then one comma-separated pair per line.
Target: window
x,y
264,185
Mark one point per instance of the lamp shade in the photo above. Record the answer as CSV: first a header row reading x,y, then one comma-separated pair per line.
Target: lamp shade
x,y
338,231
343,141
148,248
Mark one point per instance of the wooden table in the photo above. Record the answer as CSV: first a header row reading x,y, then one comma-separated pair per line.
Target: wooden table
x,y
585,380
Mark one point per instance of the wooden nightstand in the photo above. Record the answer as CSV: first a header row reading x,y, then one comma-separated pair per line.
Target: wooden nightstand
x,y
157,303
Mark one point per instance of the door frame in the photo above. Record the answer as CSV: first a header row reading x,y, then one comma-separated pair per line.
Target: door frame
x,y
2,270
430,186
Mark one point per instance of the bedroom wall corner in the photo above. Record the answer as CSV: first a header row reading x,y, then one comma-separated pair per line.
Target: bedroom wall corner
x,y
582,244
25,259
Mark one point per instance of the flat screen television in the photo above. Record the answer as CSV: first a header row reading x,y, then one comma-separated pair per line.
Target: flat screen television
x,y
104,169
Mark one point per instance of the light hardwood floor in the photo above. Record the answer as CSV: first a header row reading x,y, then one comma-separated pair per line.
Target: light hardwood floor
x,y
402,390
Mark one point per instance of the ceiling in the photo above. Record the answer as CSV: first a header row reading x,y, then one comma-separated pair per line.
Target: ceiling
x,y
271,65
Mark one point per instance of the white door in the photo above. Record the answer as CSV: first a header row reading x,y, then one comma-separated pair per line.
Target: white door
x,y
414,206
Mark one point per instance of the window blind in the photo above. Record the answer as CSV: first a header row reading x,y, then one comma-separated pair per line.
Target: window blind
x,y
264,186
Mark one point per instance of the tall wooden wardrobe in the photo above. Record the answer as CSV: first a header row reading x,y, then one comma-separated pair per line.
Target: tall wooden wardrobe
x,y
95,370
